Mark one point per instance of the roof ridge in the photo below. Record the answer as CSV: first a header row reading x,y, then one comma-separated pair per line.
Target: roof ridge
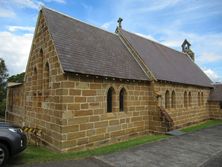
x,y
154,42
75,19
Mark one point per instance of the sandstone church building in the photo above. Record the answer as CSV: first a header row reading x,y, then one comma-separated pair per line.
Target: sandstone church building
x,y
85,87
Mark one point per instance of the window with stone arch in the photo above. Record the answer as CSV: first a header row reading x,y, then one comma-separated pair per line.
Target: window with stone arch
x,y
202,99
167,99
190,99
41,54
220,105
122,100
34,79
40,70
173,99
185,99
198,96
110,99
46,79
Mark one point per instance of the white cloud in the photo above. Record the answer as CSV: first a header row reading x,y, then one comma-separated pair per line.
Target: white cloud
x,y
213,75
26,3
210,57
33,4
161,4
207,47
21,28
143,6
58,1
172,43
106,25
150,37
6,13
14,49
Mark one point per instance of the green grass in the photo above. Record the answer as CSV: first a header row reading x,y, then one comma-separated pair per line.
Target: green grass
x,y
39,154
207,124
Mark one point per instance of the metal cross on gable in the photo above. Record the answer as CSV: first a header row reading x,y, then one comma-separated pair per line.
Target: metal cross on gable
x,y
120,21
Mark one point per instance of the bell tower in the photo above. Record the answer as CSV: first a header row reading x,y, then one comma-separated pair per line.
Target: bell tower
x,y
186,49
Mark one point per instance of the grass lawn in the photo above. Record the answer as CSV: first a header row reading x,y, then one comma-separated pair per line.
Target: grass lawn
x,y
207,124
39,154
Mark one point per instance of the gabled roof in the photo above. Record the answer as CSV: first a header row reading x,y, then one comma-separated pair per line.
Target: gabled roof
x,y
167,64
216,93
85,49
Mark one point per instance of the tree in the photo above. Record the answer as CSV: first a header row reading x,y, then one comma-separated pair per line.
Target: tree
x,y
3,81
17,78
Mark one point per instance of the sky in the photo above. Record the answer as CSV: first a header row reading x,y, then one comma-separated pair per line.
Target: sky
x,y
168,22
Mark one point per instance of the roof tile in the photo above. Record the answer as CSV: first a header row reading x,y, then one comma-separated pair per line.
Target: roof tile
x,y
167,64
85,49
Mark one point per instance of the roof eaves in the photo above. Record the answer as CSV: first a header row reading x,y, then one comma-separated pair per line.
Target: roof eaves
x,y
196,85
106,76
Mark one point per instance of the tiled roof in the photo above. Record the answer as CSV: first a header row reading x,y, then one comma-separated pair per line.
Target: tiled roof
x,y
167,64
216,93
85,49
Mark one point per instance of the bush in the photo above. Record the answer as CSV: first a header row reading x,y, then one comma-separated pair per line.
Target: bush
x,y
2,107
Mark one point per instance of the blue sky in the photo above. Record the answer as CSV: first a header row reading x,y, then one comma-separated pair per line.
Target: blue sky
x,y
166,21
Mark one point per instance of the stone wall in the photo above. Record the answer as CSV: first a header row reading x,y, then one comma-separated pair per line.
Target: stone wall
x,y
183,112
215,110
86,122
71,110
42,89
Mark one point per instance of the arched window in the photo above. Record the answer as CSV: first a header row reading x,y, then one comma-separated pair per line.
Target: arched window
x,y
185,99
190,99
122,100
198,96
173,100
41,54
46,79
220,105
40,70
167,99
110,99
34,79
202,99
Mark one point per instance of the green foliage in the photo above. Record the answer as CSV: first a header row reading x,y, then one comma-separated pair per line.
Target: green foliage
x,y
207,124
3,81
35,154
2,107
39,154
17,78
